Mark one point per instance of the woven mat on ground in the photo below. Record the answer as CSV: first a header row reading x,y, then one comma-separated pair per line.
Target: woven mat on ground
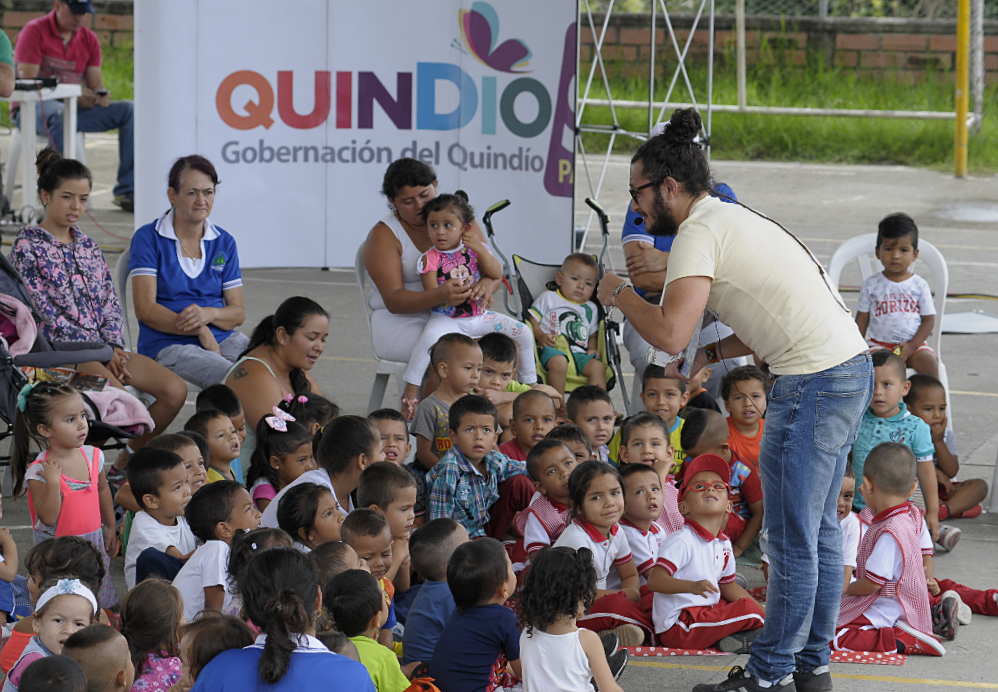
x,y
867,657
752,557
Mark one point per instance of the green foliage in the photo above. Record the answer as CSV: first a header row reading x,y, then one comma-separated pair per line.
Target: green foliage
x,y
807,138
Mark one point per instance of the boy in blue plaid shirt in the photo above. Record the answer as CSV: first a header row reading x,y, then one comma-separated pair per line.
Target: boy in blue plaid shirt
x,y
473,483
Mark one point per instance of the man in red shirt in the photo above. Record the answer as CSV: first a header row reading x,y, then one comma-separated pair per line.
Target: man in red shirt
x,y
59,45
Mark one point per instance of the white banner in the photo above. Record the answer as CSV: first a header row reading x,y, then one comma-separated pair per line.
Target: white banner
x,y
302,105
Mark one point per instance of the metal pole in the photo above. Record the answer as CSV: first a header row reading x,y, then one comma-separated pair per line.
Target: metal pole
x,y
977,60
740,48
823,9
651,73
962,86
710,75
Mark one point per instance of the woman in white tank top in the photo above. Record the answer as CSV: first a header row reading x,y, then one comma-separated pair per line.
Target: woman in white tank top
x,y
399,305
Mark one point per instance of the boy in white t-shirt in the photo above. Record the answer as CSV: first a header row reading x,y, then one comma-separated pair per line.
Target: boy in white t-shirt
x,y
895,309
216,512
160,540
697,602
566,313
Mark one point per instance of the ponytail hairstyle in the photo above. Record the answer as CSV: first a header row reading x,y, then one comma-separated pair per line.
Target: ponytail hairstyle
x,y
150,619
272,442
675,154
310,410
457,202
291,315
52,169
342,441
35,405
559,580
280,590
247,544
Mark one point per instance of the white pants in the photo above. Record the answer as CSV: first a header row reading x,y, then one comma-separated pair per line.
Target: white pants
x,y
475,327
394,335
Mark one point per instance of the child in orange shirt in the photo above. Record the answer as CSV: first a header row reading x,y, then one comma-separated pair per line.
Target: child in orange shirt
x,y
744,393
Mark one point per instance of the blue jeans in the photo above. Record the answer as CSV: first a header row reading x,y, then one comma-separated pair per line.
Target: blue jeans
x,y
120,115
811,423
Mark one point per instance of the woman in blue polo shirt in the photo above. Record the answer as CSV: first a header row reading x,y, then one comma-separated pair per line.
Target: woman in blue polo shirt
x,y
186,281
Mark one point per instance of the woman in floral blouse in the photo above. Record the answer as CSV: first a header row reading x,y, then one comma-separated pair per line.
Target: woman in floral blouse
x,y
72,290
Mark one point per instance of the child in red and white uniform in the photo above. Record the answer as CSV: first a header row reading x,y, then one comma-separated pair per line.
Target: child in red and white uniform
x,y
597,505
549,465
887,607
642,506
706,432
697,602
644,439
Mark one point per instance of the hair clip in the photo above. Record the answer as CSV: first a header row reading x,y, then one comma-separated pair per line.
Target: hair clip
x,y
253,546
302,399
22,396
288,398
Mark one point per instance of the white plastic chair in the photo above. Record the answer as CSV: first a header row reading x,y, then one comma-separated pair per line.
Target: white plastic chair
x,y
862,248
12,169
121,288
386,368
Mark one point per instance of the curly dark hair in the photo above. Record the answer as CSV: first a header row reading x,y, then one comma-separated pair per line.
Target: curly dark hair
x,y
558,581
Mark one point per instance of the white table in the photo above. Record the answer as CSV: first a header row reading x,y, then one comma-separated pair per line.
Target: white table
x,y
68,94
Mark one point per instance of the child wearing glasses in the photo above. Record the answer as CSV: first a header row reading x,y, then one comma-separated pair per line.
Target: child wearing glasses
x,y
565,322
697,603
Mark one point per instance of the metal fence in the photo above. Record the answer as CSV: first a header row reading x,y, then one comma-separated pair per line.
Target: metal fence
x,y
919,9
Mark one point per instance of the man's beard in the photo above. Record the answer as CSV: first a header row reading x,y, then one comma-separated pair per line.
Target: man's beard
x,y
665,223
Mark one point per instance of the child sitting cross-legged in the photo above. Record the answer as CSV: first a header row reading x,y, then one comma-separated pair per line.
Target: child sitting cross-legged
x,y
596,499
706,433
575,439
394,433
103,654
887,607
926,398
359,607
591,408
888,420
697,603
309,513
160,540
216,513
474,484
566,312
534,416
554,653
389,489
645,442
368,532
744,393
217,428
481,639
431,546
456,360
499,358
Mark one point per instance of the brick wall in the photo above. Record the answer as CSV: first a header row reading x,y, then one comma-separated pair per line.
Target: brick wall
x,y
896,48
112,22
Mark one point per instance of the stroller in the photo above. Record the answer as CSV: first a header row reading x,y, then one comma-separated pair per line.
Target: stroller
x,y
43,354
525,280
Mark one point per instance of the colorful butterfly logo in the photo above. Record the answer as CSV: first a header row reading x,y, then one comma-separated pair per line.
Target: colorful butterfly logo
x,y
480,29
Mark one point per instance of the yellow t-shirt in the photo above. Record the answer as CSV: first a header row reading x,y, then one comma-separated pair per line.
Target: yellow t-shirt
x,y
214,475
381,664
765,287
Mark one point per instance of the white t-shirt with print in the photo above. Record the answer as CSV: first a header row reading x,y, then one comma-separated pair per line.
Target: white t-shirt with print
x,y
896,307
208,566
149,533
556,314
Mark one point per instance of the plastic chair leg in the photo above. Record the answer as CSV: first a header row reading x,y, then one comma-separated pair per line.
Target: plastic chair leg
x,y
378,392
11,167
